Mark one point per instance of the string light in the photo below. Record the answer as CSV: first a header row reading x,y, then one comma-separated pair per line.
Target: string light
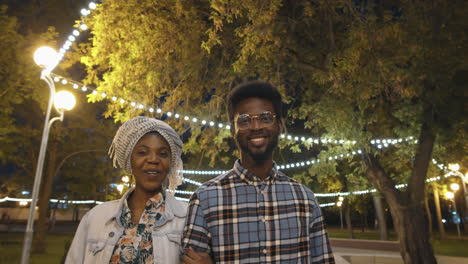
x,y
377,143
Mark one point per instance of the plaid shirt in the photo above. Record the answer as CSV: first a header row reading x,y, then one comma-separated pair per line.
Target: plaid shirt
x,y
238,218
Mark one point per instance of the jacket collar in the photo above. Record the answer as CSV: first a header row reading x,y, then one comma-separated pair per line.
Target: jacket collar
x,y
173,208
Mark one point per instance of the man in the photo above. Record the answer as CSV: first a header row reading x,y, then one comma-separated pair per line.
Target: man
x,y
255,213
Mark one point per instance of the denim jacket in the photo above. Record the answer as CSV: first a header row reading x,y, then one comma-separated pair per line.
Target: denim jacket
x,y
100,230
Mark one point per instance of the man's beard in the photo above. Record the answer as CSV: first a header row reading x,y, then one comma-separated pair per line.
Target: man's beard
x,y
259,157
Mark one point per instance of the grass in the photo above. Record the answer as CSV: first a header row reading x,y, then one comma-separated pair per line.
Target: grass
x,y
11,245
450,247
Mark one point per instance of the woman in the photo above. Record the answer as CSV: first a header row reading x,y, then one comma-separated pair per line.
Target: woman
x,y
145,225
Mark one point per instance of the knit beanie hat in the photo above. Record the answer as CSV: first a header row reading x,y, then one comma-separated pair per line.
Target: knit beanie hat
x,y
130,133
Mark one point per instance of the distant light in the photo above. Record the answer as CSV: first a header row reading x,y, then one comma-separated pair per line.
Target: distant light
x,y
83,27
46,57
125,179
25,192
23,203
454,187
444,221
76,33
92,5
449,195
454,167
64,100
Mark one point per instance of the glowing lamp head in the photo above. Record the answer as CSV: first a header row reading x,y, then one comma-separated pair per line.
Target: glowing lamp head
x,y
455,187
23,203
454,167
339,203
341,198
449,195
64,100
46,57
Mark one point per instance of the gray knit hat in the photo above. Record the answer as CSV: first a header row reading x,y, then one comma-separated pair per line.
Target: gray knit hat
x,y
130,133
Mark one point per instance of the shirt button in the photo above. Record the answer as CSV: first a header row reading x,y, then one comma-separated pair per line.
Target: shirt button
x,y
264,251
263,220
111,234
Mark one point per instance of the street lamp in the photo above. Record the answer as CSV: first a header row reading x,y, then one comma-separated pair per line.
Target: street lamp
x,y
451,196
47,59
455,168
339,204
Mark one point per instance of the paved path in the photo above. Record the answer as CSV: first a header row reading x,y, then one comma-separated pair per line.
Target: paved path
x,y
353,251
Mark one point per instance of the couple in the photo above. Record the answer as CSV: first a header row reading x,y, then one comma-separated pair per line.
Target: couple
x,y
251,214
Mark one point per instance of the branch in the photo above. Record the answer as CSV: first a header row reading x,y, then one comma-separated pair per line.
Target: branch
x,y
422,158
73,154
376,174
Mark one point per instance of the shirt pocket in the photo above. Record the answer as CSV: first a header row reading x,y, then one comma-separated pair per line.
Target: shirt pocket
x,y
175,238
95,245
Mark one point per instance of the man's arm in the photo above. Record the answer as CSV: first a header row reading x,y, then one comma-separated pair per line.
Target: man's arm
x,y
320,250
196,234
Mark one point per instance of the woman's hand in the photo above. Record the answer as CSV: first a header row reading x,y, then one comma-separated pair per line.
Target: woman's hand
x,y
193,257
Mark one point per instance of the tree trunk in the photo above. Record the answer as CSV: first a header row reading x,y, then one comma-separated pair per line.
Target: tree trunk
x,y
409,224
43,202
379,212
442,234
429,215
407,207
349,225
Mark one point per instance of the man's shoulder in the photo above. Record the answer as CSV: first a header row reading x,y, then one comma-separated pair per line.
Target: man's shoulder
x,y
216,182
296,186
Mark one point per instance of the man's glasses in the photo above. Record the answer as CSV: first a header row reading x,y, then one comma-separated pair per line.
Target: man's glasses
x,y
264,119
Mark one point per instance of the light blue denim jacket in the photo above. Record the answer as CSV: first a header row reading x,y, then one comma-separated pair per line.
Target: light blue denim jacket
x,y
100,230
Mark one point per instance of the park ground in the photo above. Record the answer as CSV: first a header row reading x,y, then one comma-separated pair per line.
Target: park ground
x,y
58,242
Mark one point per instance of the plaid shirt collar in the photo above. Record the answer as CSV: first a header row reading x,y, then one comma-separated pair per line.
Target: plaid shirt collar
x,y
250,178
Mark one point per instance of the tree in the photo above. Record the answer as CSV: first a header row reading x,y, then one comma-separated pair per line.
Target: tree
x,y
358,70
23,101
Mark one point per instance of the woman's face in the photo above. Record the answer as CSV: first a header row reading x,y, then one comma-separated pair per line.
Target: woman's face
x,y
151,158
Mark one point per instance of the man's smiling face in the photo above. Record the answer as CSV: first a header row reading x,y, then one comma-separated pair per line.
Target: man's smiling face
x,y
258,141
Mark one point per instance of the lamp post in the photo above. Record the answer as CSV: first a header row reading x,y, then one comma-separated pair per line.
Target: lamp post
x,y
46,58
464,180
451,196
339,204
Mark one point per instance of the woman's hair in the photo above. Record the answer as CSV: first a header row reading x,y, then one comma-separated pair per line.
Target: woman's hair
x,y
132,131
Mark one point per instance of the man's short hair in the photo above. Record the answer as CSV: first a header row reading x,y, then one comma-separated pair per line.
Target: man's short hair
x,y
254,89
